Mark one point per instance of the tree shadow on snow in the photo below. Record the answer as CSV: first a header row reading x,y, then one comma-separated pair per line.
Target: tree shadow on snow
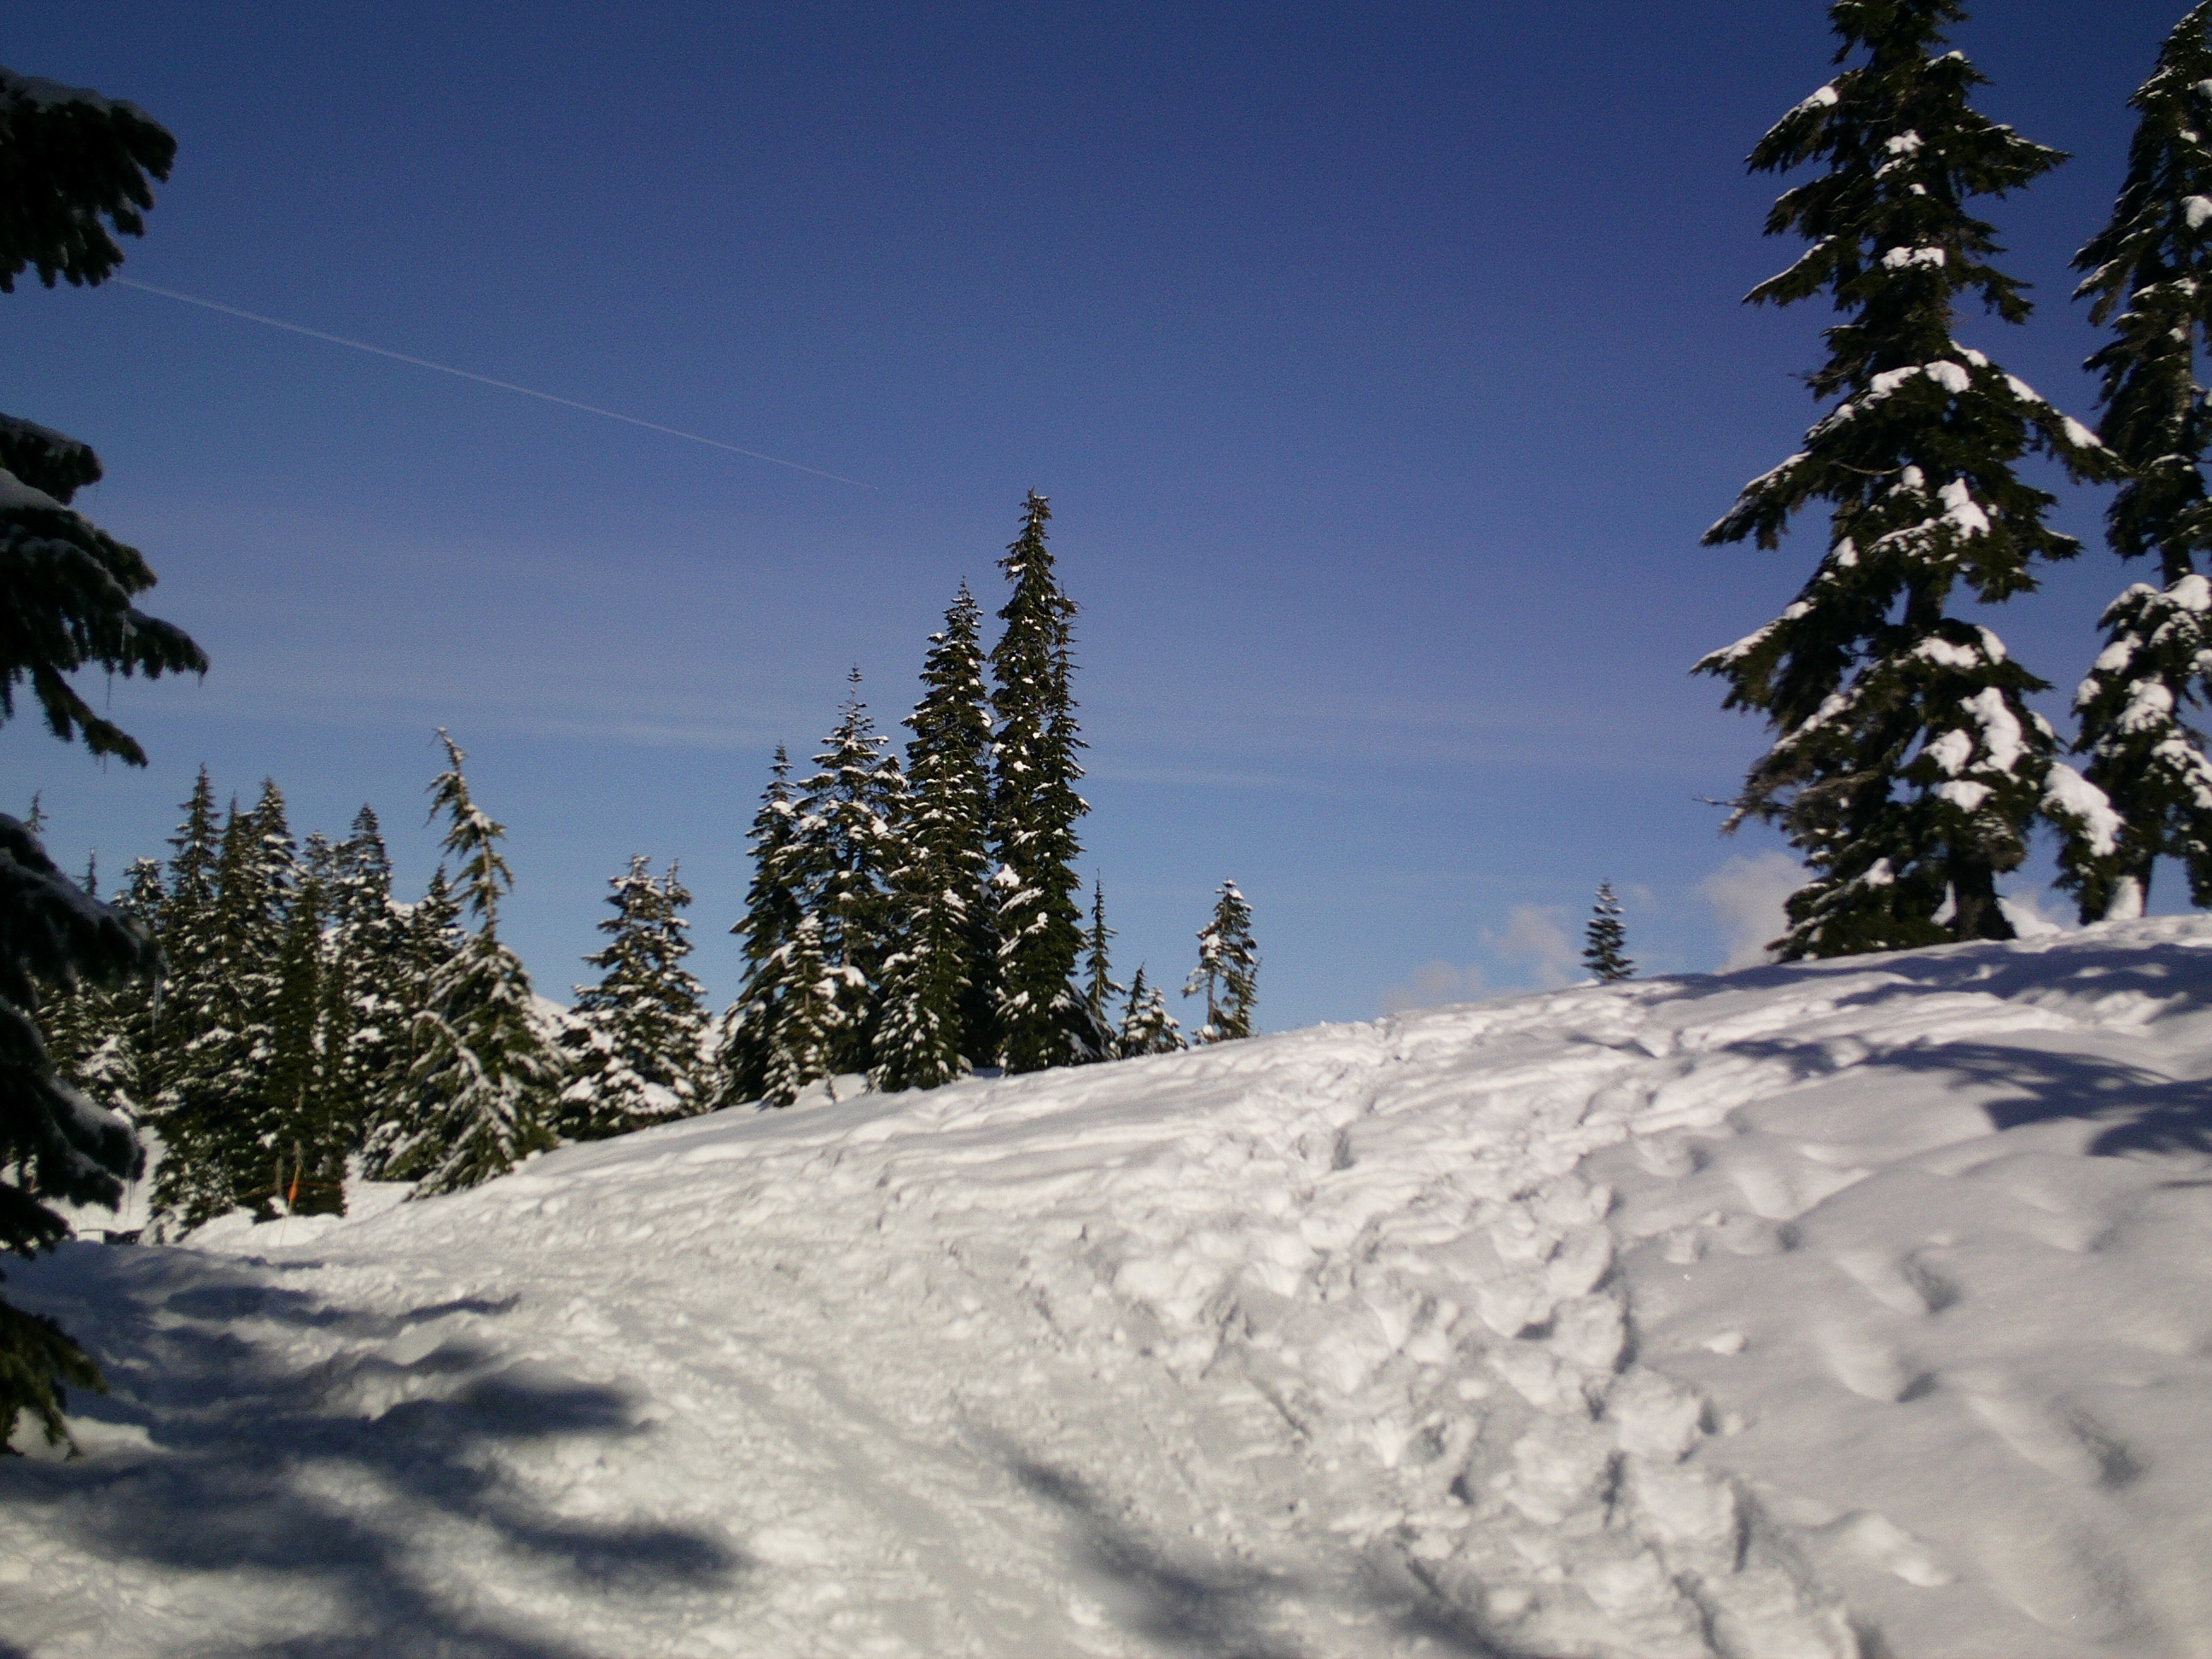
x,y
2181,978
1209,1607
2143,1112
289,1471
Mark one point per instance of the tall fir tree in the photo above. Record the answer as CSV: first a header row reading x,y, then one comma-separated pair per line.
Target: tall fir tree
x,y
1103,1039
1908,767
2150,275
256,879
304,1138
1605,940
845,850
1147,1028
483,1076
751,1030
637,1040
371,975
192,1183
1228,969
75,172
1041,1015
948,827
430,940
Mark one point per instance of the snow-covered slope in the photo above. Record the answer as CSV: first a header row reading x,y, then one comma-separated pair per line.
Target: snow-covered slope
x,y
1862,1306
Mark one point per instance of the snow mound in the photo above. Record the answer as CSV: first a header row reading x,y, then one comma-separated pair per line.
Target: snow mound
x,y
1855,1307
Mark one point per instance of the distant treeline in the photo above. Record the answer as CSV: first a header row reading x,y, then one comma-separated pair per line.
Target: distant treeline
x,y
912,922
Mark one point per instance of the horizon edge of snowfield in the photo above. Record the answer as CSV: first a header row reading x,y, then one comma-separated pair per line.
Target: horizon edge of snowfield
x,y
1847,1307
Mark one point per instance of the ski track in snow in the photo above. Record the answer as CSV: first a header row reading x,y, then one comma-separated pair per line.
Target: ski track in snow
x,y
1850,1308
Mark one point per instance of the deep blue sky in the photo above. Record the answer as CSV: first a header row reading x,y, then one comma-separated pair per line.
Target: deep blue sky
x,y
1382,364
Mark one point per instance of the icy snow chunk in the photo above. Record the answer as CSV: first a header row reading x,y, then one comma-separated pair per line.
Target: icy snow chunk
x,y
2196,210
1654,1418
1959,506
2078,436
1949,655
2191,592
1890,379
1879,1541
15,493
1966,797
2001,731
2068,794
1824,98
1952,751
1559,1466
1589,1330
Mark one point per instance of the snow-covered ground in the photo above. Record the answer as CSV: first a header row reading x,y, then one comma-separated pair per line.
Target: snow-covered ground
x,y
1864,1306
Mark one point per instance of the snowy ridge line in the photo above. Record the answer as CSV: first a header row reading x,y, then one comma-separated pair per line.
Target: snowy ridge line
x,y
1843,1308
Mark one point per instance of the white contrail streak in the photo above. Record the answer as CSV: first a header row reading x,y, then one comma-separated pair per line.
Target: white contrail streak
x,y
482,380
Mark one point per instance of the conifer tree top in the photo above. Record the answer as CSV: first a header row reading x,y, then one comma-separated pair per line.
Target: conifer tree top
x,y
2148,273
471,836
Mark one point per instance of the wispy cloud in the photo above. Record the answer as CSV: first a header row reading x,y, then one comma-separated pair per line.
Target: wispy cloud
x,y
1434,985
1747,894
1534,939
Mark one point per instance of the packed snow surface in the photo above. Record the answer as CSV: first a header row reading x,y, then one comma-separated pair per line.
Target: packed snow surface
x,y
1851,1307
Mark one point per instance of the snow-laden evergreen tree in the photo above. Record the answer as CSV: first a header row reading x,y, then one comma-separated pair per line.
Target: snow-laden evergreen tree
x,y
2150,275
1908,767
193,1183
54,1143
1605,941
74,173
1103,1039
430,940
483,1077
948,825
114,1067
1228,969
256,881
845,848
372,981
223,934
1043,1019
638,1034
917,1043
70,160
810,1014
1147,1028
749,1030
306,1141
72,1016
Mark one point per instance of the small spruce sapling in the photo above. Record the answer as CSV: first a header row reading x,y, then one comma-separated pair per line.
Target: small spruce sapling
x,y
1606,939
1147,1028
1228,969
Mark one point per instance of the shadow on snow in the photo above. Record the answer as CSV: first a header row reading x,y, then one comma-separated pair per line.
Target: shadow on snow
x,y
248,1447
